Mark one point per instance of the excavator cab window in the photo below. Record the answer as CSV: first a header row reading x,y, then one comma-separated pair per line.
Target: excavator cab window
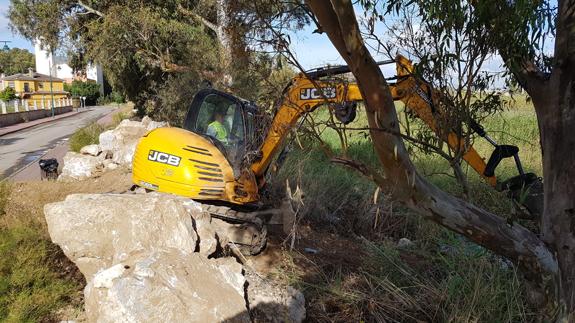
x,y
220,118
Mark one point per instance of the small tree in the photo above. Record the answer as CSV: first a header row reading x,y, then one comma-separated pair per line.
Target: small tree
x,y
89,89
7,94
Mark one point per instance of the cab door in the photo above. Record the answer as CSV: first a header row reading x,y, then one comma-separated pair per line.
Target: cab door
x,y
219,117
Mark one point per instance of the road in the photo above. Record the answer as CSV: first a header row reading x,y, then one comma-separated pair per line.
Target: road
x,y
21,148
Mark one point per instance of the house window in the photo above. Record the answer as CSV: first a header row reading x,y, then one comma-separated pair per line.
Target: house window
x,y
26,87
40,85
11,84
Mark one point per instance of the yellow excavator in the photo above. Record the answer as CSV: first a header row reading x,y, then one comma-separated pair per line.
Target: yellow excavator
x,y
222,154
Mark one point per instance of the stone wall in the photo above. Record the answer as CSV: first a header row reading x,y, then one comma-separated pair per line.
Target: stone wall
x,y
9,119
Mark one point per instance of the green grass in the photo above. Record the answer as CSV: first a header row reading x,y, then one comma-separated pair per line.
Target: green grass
x,y
86,136
468,285
31,288
90,134
32,285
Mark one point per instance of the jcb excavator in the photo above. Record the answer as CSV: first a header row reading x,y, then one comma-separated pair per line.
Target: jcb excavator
x,y
218,156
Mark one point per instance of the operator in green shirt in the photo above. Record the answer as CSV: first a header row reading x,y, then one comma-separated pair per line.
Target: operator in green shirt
x,y
217,129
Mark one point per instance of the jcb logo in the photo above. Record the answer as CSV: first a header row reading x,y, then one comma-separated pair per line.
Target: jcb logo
x,y
314,94
164,158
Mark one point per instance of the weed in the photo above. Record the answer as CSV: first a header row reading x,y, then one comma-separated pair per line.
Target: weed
x,y
86,136
443,278
118,117
4,196
32,287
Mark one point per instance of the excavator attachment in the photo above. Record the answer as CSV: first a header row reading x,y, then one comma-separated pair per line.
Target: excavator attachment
x,y
525,189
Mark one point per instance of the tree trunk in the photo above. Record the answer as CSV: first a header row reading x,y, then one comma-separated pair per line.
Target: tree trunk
x,y
223,34
554,101
556,114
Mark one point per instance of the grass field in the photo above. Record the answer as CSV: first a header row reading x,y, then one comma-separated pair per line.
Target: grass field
x,y
442,277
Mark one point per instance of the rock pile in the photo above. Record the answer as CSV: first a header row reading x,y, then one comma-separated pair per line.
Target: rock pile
x,y
159,258
116,148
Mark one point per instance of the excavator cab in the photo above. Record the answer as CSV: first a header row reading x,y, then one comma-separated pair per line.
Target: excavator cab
x,y
225,120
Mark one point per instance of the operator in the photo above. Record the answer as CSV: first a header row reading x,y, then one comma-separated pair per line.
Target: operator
x,y
217,129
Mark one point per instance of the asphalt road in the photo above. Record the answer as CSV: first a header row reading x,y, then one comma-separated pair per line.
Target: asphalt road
x,y
26,146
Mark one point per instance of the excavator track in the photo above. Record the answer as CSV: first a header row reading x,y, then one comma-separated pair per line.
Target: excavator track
x,y
245,230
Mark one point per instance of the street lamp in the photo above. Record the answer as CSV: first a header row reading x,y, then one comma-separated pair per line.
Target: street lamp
x,y
5,48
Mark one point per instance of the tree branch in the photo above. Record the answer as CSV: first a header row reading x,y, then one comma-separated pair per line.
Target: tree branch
x,y
90,9
203,20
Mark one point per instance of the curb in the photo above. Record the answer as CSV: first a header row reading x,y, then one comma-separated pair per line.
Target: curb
x,y
50,119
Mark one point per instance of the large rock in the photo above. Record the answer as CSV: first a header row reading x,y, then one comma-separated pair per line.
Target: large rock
x,y
168,286
272,303
92,150
125,154
151,124
150,257
78,166
97,231
122,141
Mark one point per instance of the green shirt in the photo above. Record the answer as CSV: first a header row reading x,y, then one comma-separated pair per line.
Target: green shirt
x,y
217,130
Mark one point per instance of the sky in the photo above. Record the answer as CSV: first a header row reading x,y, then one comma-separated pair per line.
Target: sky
x,y
6,33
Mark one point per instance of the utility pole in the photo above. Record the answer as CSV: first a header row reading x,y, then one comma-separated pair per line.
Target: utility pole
x,y
50,66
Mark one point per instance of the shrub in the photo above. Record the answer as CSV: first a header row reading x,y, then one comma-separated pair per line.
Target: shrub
x,y
91,90
7,94
86,136
113,97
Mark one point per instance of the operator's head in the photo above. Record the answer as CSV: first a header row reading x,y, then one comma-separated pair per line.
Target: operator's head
x,y
219,116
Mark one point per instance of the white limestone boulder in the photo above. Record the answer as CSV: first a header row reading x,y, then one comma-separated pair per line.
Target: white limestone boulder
x,y
96,231
168,286
79,166
92,150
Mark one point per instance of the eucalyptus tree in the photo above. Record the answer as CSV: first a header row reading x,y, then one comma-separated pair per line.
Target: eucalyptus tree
x,y
518,30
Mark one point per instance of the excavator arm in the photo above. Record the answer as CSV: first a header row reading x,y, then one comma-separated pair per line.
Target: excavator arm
x,y
308,91
304,95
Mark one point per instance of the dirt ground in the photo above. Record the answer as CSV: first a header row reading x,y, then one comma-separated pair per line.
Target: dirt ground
x,y
27,199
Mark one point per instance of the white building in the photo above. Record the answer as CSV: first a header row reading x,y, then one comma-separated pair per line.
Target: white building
x,y
57,66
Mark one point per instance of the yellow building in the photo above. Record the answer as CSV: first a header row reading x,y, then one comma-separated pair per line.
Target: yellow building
x,y
35,87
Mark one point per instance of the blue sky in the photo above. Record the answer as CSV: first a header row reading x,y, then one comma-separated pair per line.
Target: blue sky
x,y
6,33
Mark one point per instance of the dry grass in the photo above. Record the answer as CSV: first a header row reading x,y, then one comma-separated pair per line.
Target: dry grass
x,y
36,280
443,278
27,199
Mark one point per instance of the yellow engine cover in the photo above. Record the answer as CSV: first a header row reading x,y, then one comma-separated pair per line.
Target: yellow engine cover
x,y
177,161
